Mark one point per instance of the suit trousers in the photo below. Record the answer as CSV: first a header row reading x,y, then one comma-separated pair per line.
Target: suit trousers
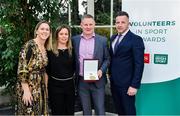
x,y
88,91
124,104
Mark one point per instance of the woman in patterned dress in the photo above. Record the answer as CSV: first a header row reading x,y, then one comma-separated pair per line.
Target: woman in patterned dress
x,y
31,89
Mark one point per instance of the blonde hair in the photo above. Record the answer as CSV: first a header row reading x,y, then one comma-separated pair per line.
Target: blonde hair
x,y
48,43
55,42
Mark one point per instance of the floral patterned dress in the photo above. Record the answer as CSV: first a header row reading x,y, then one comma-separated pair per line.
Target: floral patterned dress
x,y
32,71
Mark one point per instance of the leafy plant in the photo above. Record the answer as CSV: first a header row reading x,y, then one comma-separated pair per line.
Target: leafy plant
x,y
17,22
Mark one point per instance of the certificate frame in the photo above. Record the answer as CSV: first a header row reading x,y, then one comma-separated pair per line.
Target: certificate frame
x,y
90,69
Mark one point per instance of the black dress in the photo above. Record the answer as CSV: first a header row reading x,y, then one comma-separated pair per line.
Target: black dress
x,y
61,89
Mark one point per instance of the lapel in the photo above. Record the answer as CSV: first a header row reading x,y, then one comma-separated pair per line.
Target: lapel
x,y
77,45
123,40
112,38
95,46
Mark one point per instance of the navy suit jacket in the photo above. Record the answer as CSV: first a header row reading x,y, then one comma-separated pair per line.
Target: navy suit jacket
x,y
101,53
127,64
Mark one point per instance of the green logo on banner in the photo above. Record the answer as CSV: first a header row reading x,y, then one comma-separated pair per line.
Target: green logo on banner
x,y
160,58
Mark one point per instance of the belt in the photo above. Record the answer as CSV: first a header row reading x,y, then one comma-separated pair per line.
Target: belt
x,y
63,79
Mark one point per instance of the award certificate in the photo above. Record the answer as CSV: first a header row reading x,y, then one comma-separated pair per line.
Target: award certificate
x,y
90,70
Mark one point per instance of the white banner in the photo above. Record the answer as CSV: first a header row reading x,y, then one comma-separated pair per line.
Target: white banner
x,y
158,23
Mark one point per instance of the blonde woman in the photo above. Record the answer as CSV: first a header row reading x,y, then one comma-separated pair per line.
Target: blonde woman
x,y
31,88
60,71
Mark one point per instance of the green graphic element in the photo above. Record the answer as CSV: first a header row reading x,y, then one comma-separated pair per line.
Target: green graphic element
x,y
160,58
159,98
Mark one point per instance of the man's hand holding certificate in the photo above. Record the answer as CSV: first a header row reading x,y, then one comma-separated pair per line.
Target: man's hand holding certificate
x,y
90,70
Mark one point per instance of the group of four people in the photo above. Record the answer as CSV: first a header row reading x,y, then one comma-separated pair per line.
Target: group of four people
x,y
49,69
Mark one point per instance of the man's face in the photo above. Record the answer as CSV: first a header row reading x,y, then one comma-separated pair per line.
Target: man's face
x,y
87,26
122,24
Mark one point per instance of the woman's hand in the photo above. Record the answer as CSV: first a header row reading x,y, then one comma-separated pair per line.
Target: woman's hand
x,y
27,96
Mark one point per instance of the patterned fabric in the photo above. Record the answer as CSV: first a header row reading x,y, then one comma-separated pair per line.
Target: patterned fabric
x,y
32,73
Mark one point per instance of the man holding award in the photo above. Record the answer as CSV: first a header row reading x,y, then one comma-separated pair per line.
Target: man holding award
x,y
92,60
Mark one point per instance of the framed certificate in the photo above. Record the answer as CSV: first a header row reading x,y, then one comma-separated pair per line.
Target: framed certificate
x,y
90,70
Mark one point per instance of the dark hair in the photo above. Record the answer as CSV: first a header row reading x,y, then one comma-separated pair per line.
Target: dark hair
x,y
58,29
87,16
55,43
122,13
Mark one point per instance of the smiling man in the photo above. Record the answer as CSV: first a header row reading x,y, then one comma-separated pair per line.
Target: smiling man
x,y
89,45
126,65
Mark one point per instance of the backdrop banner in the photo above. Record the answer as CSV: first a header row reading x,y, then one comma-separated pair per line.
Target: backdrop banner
x,y
158,23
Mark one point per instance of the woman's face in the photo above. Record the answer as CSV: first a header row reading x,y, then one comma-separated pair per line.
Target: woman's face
x,y
43,32
63,36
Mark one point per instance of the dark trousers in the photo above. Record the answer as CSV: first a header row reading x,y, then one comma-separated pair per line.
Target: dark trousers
x,y
88,91
124,104
61,97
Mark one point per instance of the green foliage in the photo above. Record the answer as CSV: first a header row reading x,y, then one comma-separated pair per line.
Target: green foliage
x,y
103,31
17,22
75,30
103,19
9,49
102,12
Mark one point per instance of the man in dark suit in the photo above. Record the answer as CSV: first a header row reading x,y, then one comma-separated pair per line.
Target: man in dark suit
x,y
89,45
126,65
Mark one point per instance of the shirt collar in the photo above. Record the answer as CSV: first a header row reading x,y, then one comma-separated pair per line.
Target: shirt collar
x,y
82,35
123,34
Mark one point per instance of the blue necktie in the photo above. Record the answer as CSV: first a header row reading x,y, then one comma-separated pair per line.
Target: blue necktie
x,y
117,43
